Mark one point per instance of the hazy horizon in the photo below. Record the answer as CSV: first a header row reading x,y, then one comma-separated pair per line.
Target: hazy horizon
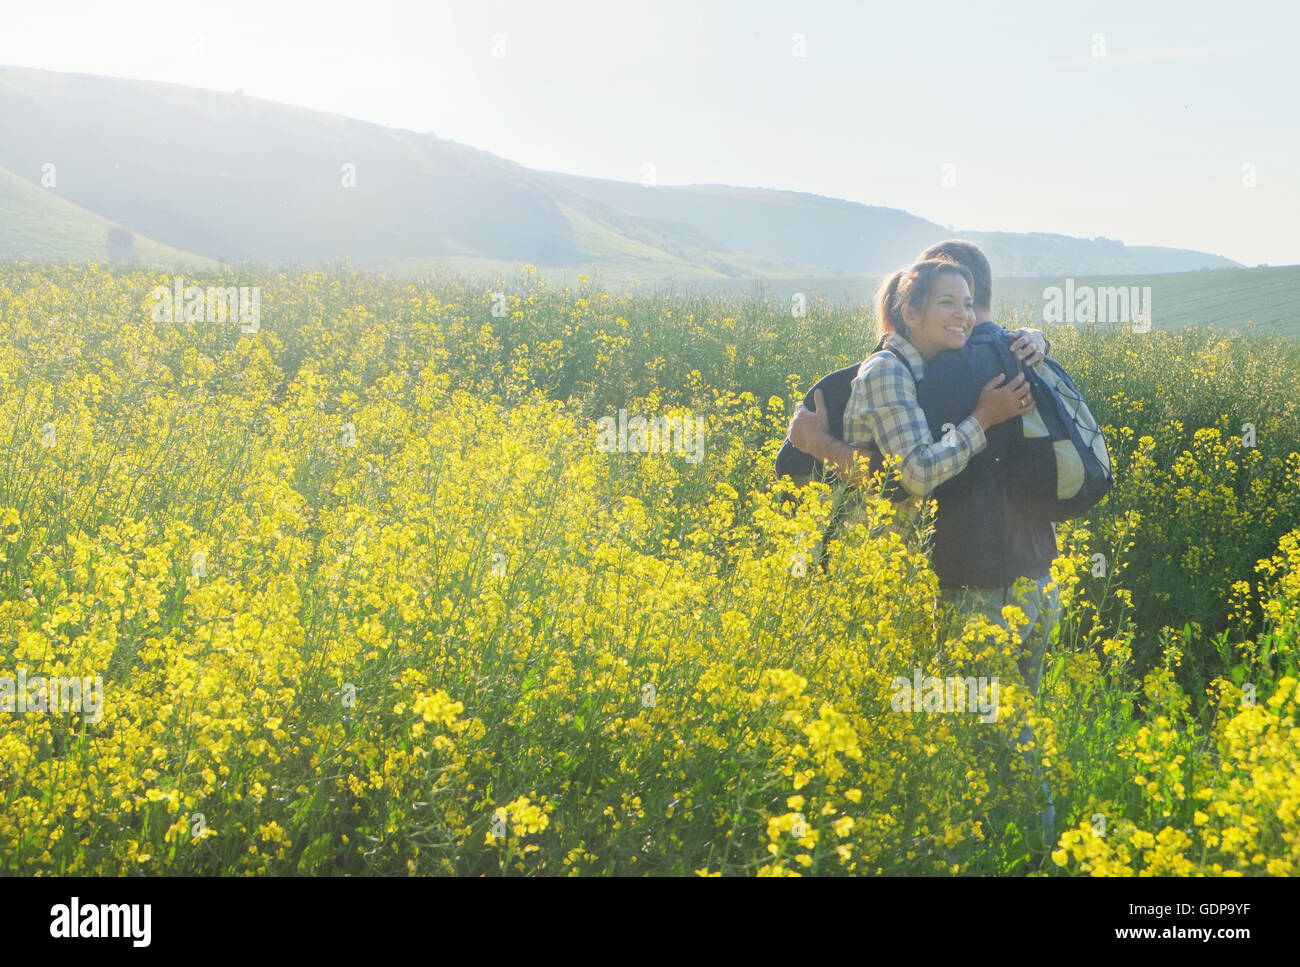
x,y
1155,124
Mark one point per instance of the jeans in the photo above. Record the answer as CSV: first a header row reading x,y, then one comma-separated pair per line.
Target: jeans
x,y
1042,606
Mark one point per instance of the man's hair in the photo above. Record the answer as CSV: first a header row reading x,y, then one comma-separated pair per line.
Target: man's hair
x,y
967,254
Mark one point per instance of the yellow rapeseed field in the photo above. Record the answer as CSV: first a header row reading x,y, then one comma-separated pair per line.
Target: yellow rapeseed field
x,y
362,592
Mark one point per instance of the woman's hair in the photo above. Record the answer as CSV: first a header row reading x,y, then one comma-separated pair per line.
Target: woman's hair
x,y
911,287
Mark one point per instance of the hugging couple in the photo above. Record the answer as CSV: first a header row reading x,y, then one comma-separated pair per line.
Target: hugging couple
x,y
935,396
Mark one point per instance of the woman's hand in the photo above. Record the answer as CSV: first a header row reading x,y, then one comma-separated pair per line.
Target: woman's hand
x,y
997,404
810,428
1030,347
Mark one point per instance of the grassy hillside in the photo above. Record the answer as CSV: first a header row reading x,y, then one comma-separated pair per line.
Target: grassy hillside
x,y
1041,253
39,226
240,179
781,226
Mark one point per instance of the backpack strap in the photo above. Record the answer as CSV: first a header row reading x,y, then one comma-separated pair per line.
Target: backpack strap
x,y
881,347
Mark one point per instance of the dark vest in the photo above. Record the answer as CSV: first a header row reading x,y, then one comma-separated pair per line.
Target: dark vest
x,y
980,538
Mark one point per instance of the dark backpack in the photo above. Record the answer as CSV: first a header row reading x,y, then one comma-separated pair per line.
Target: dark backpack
x,y
1057,466
795,465
836,388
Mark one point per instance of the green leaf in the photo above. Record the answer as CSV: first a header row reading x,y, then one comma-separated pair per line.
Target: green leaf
x,y
314,855
1014,850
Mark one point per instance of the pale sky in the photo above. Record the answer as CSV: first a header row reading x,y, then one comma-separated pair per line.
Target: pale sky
x,y
1141,121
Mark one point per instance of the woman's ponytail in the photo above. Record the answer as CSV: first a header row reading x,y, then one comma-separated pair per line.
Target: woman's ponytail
x,y
888,316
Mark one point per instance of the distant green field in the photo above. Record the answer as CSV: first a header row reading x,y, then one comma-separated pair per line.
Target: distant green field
x,y
1222,298
1230,298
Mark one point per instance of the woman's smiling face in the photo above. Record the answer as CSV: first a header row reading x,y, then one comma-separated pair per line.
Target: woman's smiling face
x,y
947,320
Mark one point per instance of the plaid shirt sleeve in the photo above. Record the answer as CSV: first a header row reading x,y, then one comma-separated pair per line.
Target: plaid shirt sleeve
x,y
882,408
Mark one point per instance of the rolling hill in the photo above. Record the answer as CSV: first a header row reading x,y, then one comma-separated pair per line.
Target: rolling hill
x,y
237,179
37,225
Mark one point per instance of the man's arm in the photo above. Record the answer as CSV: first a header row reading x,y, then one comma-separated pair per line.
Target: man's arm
x,y
810,432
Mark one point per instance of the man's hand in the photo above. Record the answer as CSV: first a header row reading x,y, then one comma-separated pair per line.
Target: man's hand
x,y
810,432
1030,347
810,428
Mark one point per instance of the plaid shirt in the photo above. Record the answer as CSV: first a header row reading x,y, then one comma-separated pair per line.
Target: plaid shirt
x,y
882,408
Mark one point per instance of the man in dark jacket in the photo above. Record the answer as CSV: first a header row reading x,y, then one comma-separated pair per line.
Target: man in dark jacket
x,y
983,545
